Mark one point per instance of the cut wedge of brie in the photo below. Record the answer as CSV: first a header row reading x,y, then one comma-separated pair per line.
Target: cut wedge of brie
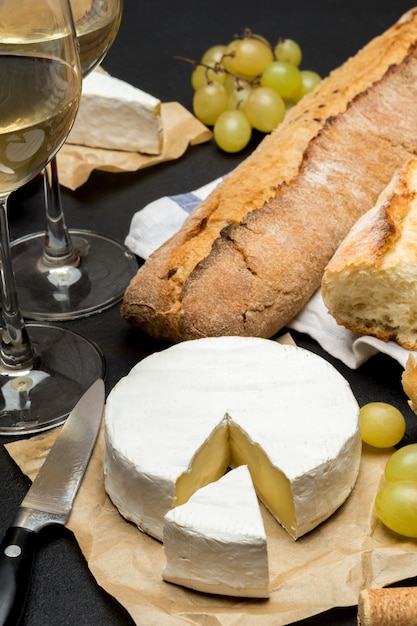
x,y
117,116
216,541
184,415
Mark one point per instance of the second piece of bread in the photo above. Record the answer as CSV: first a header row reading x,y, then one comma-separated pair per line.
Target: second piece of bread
x,y
370,285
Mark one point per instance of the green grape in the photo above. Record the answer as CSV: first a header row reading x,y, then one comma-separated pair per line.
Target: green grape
x,y
203,74
213,54
288,50
232,131
264,108
233,82
209,101
283,78
229,55
396,507
238,95
382,424
309,81
402,465
248,56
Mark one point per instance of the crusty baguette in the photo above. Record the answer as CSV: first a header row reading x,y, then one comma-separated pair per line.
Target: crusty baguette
x,y
370,284
249,257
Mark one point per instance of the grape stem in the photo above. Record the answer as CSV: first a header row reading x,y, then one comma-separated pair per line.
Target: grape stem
x,y
187,60
217,67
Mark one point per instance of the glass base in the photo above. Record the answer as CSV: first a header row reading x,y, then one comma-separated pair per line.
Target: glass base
x,y
36,399
97,282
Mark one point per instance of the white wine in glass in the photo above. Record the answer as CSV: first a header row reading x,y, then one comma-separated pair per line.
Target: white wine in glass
x,y
65,274
43,369
97,23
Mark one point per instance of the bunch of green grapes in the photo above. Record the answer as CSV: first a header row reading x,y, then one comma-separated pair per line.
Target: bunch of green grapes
x,y
248,84
384,426
396,501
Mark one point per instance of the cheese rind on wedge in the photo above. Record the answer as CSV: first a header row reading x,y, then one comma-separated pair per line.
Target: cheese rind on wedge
x,y
182,416
216,541
117,116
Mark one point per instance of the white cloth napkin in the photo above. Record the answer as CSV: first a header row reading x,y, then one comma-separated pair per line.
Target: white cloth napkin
x,y
157,221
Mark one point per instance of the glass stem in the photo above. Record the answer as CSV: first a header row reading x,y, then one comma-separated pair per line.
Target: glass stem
x,y
58,249
16,348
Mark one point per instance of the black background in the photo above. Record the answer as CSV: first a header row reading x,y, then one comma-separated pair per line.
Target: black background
x,y
152,33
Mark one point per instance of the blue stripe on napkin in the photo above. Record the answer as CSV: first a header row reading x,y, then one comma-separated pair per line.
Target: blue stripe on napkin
x,y
187,201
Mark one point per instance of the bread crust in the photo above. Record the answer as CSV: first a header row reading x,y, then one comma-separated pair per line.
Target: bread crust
x,y
249,257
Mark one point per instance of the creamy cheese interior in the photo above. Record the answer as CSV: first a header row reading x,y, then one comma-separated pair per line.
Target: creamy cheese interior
x,y
210,462
271,484
229,446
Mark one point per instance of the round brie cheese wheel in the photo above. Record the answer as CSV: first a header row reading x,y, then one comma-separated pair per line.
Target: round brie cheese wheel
x,y
184,415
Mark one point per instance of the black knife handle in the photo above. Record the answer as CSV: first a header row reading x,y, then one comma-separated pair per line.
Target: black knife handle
x,y
17,552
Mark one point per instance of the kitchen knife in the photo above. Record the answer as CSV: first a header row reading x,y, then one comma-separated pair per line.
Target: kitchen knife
x,y
49,500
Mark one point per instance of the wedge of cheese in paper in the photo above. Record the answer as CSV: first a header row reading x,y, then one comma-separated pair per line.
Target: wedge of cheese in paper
x,y
117,116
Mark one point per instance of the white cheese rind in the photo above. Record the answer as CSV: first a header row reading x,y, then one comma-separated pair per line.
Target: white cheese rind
x,y
294,408
117,116
216,542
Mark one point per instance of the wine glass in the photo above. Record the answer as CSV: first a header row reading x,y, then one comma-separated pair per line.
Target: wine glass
x,y
65,274
43,369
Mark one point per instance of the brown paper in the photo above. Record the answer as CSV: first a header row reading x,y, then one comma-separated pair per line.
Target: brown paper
x,y
181,130
324,569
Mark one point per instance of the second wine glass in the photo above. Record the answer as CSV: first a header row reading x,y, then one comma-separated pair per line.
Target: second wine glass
x,y
43,369
63,273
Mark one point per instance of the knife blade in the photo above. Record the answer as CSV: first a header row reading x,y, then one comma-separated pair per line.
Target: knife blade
x,y
49,500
